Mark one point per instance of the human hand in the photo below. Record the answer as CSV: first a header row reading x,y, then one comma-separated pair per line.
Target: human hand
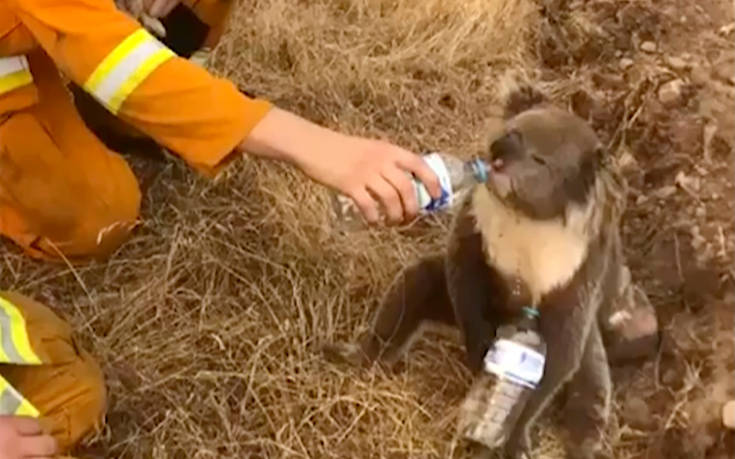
x,y
371,172
23,437
140,10
160,8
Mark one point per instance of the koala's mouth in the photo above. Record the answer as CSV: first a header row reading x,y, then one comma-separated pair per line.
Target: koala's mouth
x,y
500,181
497,165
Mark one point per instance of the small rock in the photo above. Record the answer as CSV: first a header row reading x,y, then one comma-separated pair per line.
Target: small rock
x,y
725,71
728,415
676,63
618,53
689,184
727,29
627,162
700,75
670,93
708,135
626,63
648,47
641,199
701,212
637,414
669,377
664,192
698,242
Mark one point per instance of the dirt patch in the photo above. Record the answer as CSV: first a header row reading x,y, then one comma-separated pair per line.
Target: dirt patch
x,y
208,322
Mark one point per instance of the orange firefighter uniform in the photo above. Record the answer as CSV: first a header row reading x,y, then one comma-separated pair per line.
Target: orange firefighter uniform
x,y
64,194
45,374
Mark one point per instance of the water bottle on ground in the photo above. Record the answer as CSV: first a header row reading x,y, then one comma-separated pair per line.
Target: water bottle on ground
x,y
455,176
514,365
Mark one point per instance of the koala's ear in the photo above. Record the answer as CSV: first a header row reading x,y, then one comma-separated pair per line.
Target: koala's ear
x,y
521,99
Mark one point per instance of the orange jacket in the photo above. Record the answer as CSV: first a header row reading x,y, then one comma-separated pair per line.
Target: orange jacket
x,y
178,104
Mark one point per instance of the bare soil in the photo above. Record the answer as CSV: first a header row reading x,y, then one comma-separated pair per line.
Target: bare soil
x,y
208,322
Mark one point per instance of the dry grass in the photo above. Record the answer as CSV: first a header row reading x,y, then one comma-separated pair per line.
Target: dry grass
x,y
208,322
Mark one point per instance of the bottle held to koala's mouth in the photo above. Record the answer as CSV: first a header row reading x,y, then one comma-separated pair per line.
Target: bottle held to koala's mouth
x,y
455,177
514,365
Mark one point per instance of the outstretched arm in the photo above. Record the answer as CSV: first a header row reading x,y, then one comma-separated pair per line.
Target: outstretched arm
x,y
358,167
204,119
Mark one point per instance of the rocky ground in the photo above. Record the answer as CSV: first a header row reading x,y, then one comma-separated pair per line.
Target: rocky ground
x,y
664,95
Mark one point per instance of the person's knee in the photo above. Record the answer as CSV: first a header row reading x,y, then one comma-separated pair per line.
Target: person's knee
x,y
63,199
105,222
78,404
107,230
86,415
68,388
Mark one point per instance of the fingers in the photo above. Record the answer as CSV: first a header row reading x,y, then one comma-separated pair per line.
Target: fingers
x,y
133,7
27,426
367,205
389,198
39,446
415,164
403,185
161,8
153,25
33,442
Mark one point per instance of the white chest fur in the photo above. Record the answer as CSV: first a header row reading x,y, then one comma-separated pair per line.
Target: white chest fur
x,y
544,254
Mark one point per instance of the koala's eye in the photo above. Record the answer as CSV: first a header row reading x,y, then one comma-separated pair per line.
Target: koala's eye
x,y
539,160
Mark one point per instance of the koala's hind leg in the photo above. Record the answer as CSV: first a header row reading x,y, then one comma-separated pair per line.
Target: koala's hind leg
x,y
418,294
565,332
588,400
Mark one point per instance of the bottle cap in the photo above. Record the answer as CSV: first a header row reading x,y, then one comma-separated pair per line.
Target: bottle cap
x,y
480,169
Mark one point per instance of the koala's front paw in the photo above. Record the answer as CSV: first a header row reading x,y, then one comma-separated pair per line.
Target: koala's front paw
x,y
519,445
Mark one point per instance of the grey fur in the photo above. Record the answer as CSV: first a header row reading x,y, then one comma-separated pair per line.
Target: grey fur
x,y
464,286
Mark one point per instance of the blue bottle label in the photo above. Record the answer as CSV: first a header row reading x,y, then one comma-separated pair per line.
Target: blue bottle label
x,y
519,363
425,201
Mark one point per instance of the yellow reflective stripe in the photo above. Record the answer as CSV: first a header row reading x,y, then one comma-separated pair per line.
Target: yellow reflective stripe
x,y
15,347
145,69
15,80
109,63
12,403
117,76
26,409
14,73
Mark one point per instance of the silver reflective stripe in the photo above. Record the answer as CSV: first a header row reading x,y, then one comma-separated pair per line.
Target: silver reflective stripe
x,y
9,401
12,64
125,68
112,83
6,339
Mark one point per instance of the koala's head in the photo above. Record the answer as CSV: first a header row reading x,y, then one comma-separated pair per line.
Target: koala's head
x,y
544,159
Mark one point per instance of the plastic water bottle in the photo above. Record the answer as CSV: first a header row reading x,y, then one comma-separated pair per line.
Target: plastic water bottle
x,y
514,365
455,176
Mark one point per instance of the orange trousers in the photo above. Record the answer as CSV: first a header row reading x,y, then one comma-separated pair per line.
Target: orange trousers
x,y
68,389
62,191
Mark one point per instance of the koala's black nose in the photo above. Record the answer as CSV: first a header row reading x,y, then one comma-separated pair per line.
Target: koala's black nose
x,y
507,147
